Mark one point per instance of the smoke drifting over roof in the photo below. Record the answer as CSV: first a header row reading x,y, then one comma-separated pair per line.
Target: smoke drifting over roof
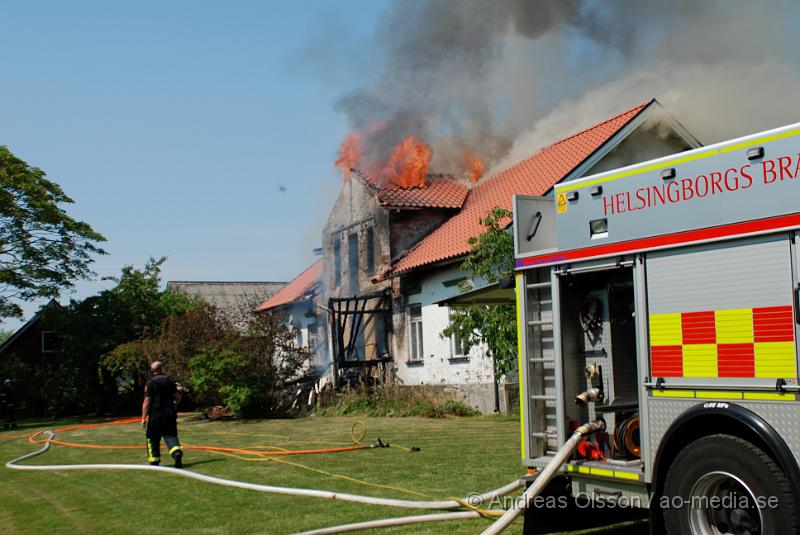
x,y
504,78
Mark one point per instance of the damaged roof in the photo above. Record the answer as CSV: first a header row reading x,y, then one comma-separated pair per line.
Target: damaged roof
x,y
533,176
440,192
296,289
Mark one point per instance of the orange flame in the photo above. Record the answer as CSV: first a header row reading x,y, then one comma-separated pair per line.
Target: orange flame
x,y
474,166
408,165
349,154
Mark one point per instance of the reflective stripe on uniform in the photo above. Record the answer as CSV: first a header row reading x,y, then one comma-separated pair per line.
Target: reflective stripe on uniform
x,y
151,458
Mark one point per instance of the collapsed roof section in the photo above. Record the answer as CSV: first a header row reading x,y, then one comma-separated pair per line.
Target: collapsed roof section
x,y
440,191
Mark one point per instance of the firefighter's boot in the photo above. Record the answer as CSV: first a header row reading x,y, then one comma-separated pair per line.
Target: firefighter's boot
x,y
175,450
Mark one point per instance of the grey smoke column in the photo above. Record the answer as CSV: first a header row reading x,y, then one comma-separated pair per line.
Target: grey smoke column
x,y
469,73
436,74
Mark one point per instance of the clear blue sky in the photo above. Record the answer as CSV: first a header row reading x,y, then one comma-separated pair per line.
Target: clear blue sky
x,y
173,125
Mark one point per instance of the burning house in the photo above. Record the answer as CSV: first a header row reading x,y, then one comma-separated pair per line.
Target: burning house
x,y
397,235
369,228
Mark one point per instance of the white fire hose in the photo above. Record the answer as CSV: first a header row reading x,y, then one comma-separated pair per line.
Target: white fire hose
x,y
312,493
501,524
544,477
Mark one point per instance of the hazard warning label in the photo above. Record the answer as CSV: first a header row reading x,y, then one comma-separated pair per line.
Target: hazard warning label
x,y
561,204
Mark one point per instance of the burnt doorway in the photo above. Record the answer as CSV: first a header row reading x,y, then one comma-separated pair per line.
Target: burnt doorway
x,y
360,327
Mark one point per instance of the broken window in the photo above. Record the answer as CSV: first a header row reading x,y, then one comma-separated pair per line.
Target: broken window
x,y
415,328
337,261
370,252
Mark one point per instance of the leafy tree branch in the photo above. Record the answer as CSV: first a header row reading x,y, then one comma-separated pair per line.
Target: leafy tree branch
x,y
43,250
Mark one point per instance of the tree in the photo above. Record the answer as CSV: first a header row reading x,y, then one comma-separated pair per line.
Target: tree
x,y
42,249
95,327
181,336
252,369
491,258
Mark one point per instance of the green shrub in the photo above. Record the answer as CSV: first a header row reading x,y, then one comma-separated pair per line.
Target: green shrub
x,y
250,374
396,401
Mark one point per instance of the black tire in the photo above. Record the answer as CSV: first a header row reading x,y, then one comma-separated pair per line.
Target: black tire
x,y
714,471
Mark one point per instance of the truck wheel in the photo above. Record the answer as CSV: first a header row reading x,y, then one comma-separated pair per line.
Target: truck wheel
x,y
722,484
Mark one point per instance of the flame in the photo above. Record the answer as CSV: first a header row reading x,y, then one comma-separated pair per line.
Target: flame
x,y
473,165
349,154
408,165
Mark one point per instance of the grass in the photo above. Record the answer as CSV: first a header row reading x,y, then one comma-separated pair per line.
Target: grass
x,y
458,456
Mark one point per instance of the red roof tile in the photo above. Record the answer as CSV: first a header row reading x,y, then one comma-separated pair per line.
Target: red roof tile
x,y
534,176
296,289
441,192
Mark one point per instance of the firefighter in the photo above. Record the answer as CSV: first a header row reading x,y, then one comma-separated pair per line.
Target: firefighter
x,y
7,405
160,416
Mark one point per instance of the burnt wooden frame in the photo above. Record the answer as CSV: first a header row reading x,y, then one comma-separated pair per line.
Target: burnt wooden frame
x,y
353,312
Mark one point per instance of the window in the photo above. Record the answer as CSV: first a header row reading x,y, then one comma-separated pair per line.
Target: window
x,y
337,261
415,328
370,251
51,342
457,347
352,261
312,337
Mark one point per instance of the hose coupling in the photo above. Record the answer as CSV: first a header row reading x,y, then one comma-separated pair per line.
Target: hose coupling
x,y
591,427
593,394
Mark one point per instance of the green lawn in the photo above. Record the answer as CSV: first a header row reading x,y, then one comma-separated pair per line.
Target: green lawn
x,y
459,456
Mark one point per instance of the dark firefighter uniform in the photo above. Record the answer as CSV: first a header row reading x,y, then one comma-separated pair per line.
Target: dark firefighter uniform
x,y
162,419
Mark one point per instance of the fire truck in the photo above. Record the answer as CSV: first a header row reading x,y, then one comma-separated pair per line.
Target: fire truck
x,y
663,300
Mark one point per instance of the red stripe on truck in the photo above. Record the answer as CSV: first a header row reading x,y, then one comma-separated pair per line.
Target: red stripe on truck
x,y
667,240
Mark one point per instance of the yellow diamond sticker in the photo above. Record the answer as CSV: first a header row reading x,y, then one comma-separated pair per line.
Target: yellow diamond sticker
x,y
562,203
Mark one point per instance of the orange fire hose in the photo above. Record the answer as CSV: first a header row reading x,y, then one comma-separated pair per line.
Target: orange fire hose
x,y
124,421
3,437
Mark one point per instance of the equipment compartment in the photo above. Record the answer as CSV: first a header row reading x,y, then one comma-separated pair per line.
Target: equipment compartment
x,y
598,329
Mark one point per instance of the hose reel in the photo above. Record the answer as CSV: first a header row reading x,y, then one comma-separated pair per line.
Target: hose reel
x,y
625,439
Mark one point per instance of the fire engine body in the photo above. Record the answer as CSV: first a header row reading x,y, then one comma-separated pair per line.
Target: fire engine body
x,y
667,291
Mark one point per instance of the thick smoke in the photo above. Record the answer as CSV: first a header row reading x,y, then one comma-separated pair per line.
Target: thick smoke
x,y
504,78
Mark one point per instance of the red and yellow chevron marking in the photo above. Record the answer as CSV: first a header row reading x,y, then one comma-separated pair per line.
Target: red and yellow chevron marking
x,y
745,342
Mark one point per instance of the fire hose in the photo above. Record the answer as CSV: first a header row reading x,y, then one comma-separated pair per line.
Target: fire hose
x,y
501,524
545,476
541,481
311,493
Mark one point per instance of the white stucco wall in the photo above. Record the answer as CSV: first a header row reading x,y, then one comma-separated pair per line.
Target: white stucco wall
x,y
439,365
